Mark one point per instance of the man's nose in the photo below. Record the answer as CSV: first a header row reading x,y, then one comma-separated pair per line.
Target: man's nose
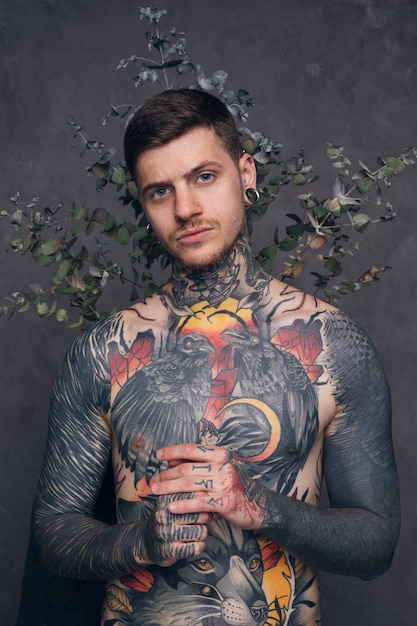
x,y
186,204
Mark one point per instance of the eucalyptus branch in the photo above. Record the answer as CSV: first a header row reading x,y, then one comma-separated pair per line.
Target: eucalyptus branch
x,y
317,232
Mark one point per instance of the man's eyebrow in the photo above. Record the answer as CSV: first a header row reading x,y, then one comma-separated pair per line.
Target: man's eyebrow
x,y
154,186
203,165
166,183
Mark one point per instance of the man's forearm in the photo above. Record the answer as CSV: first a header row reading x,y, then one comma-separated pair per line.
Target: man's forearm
x,y
80,547
351,542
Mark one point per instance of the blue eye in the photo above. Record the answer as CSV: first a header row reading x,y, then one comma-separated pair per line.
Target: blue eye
x,y
160,193
205,178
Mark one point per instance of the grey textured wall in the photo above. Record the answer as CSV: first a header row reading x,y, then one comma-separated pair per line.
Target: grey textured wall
x,y
319,70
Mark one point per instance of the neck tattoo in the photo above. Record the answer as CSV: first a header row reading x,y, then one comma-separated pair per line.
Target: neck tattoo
x,y
239,275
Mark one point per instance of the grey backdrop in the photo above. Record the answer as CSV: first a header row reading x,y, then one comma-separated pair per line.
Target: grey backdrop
x,y
339,71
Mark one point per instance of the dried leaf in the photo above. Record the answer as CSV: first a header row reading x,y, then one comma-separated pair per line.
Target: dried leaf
x,y
316,241
118,600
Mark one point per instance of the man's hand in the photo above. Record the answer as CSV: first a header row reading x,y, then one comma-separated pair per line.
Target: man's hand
x,y
218,482
169,536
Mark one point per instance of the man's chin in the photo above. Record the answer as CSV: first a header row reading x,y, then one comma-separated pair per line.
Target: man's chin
x,y
201,264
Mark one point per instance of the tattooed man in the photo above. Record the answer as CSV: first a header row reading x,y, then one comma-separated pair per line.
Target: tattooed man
x,y
223,401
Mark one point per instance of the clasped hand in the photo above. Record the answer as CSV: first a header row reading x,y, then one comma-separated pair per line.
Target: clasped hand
x,y
202,483
218,483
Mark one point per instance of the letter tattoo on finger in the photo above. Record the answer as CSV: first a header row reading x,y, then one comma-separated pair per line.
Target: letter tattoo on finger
x,y
208,484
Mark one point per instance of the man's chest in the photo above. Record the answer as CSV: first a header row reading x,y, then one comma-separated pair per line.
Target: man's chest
x,y
220,378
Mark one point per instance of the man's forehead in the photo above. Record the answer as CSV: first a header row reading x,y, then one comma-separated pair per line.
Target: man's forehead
x,y
184,154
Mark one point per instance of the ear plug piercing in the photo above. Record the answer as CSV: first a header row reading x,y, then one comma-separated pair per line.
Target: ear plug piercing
x,y
252,195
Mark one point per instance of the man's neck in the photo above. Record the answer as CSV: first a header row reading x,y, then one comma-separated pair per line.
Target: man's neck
x,y
238,275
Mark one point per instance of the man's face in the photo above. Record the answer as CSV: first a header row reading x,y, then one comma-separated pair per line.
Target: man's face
x,y
192,193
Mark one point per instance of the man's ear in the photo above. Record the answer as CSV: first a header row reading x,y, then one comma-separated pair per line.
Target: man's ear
x,y
247,170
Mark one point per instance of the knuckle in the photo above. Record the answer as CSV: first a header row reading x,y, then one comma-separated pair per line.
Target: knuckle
x,y
183,469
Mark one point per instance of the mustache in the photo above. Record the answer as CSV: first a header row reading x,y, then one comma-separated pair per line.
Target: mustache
x,y
194,224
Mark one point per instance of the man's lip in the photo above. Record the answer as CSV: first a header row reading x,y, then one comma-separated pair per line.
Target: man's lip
x,y
193,235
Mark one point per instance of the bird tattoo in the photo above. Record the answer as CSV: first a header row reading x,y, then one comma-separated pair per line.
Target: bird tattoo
x,y
162,404
278,380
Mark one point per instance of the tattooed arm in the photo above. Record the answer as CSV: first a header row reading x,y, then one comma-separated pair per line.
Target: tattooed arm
x,y
71,542
358,533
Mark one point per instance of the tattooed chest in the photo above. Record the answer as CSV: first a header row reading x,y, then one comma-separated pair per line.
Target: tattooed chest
x,y
234,390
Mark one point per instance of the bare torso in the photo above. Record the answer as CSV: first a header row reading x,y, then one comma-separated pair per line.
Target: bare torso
x,y
251,379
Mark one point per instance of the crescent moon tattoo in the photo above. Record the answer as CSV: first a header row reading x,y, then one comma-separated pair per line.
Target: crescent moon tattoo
x,y
272,419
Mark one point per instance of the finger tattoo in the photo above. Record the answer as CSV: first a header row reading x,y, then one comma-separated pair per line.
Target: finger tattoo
x,y
208,484
206,468
187,533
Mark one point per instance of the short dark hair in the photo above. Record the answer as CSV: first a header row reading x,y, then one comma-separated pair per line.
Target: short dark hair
x,y
173,113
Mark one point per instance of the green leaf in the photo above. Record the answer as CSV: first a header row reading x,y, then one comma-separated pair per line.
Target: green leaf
x,y
43,261
333,266
185,68
321,281
361,221
396,165
344,291
36,288
131,228
334,152
348,283
107,156
79,213
118,176
134,295
110,223
61,316
269,252
248,146
47,247
17,217
292,165
166,65
63,270
363,184
151,289
42,309
330,295
100,215
101,170
295,217
299,179
140,234
287,244
77,324
101,183
123,236
295,230
15,244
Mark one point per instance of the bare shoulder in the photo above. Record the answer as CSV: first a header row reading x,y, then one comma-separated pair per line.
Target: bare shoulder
x,y
342,340
149,315
289,303
329,344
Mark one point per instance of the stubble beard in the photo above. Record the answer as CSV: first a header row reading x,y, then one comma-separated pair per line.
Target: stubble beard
x,y
211,260
191,266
